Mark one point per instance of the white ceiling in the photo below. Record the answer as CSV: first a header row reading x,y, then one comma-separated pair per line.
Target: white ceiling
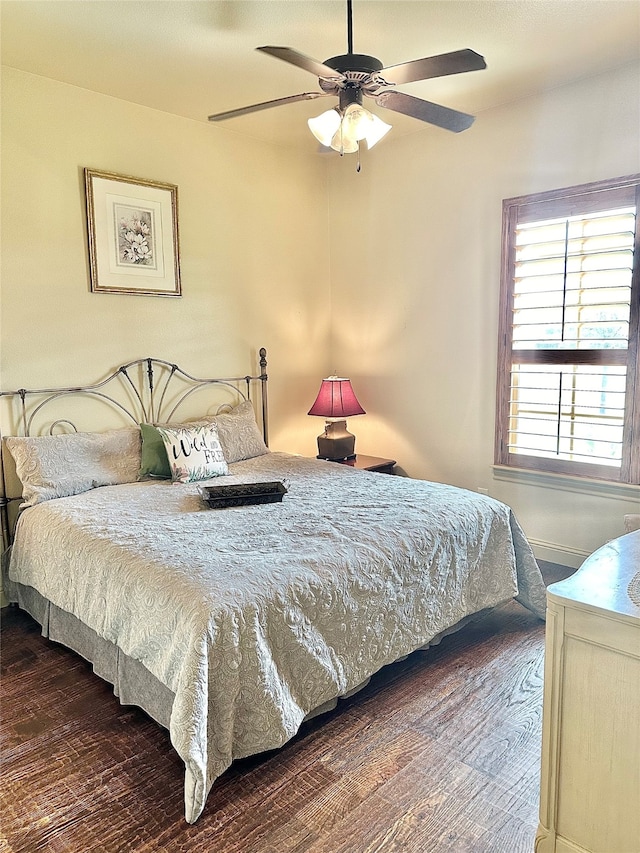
x,y
197,57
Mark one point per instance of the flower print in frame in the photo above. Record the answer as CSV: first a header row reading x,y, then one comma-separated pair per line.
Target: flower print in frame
x,y
132,227
136,230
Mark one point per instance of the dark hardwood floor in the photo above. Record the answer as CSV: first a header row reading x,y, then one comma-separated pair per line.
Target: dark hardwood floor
x,y
439,754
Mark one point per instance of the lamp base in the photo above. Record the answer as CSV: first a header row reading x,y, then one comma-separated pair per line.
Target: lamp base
x,y
336,442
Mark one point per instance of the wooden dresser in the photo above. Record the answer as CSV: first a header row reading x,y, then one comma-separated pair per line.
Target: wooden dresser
x,y
590,785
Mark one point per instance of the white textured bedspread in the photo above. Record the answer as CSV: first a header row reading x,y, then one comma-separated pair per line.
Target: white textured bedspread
x,y
254,616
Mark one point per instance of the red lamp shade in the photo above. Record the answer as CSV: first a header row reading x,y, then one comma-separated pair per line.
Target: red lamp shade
x,y
336,399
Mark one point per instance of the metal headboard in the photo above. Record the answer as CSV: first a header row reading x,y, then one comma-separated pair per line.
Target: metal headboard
x,y
147,390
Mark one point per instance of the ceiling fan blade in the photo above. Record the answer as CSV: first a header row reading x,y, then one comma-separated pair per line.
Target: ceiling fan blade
x,y
254,108
288,54
425,111
456,62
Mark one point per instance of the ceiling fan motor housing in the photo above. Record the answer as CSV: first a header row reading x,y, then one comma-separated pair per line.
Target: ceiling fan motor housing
x,y
354,62
351,94
359,74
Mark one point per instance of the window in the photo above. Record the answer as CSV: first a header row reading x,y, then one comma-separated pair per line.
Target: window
x,y
569,349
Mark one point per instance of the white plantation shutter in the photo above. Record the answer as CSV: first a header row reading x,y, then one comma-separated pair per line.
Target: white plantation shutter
x,y
569,333
572,283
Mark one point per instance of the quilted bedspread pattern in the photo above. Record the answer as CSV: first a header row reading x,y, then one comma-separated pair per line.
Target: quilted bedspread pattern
x,y
254,616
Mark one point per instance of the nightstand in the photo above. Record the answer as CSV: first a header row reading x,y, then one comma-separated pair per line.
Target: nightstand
x,y
371,463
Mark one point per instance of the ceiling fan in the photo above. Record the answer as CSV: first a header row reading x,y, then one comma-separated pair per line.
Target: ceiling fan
x,y
354,75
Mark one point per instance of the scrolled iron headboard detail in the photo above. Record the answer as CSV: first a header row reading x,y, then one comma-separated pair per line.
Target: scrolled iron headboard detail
x,y
148,390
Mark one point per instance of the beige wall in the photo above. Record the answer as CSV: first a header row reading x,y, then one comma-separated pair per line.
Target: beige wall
x,y
254,249
401,294
415,254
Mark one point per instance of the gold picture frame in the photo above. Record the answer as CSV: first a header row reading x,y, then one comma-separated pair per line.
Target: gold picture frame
x,y
132,227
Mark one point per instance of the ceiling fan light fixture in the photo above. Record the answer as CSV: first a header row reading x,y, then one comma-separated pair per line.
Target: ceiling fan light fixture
x,y
342,131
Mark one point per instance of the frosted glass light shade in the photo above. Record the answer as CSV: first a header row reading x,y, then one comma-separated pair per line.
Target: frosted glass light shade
x,y
377,129
358,123
343,141
324,126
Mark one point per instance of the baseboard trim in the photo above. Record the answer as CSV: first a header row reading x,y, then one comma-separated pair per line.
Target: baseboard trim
x,y
561,554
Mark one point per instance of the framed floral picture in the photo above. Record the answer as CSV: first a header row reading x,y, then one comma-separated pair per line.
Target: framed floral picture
x,y
132,226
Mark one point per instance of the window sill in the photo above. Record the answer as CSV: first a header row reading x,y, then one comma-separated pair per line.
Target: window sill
x,y
566,483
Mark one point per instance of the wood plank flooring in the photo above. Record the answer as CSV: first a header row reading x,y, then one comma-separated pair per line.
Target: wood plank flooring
x,y
439,754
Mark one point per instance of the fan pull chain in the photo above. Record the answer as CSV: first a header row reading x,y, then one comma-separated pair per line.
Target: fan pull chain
x,y
358,163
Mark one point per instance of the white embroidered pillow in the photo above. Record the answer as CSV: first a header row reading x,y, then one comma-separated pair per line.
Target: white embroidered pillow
x,y
194,452
239,433
54,466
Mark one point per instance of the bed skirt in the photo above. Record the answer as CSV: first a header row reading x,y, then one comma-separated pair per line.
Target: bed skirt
x,y
132,682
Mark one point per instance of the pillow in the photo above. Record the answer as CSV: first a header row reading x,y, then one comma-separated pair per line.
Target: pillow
x,y
154,461
194,452
54,466
239,433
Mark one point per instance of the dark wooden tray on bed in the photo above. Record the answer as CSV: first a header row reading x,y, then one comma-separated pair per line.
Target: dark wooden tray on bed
x,y
243,494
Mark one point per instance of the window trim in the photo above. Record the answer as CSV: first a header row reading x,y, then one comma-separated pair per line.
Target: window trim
x,y
569,201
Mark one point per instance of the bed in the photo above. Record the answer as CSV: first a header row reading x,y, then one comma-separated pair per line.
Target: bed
x,y
232,626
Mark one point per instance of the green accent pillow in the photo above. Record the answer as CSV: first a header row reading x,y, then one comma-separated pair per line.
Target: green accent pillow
x,y
155,462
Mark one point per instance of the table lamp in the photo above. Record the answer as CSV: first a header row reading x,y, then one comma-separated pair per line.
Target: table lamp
x,y
335,402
